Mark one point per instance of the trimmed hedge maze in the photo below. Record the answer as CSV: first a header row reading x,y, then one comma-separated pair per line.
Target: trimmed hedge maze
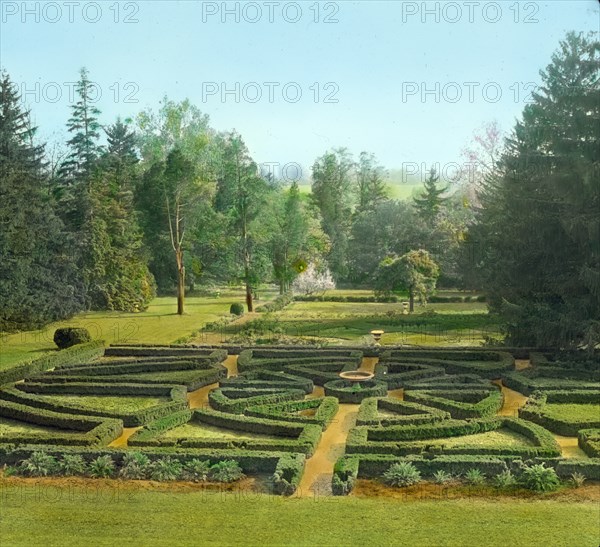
x,y
435,409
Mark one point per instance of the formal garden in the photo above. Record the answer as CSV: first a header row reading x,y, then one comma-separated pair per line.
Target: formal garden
x,y
391,347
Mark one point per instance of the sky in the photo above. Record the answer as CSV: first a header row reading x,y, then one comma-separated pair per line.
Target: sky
x,y
407,81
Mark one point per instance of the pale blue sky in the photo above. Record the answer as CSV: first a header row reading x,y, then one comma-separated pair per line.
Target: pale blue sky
x,y
374,52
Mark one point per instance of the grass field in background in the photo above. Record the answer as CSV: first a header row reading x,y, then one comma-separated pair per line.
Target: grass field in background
x,y
160,324
48,515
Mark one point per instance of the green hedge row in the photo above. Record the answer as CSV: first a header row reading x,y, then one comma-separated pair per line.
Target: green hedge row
x,y
529,381
80,353
164,351
270,379
277,304
325,409
90,431
534,412
322,373
374,465
401,441
338,298
298,438
345,473
115,368
590,469
288,473
397,375
589,442
192,379
26,393
221,402
460,409
254,358
408,413
147,436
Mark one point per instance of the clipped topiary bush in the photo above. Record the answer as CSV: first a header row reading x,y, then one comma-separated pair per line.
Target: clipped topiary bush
x,y
70,336
236,308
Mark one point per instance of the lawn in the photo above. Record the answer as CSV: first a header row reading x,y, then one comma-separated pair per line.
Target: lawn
x,y
106,402
203,431
160,324
490,439
450,324
38,514
572,412
13,426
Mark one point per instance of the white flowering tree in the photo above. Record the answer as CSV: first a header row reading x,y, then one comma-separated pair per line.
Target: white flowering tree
x,y
312,281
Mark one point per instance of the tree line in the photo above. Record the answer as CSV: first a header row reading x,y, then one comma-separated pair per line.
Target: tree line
x,y
163,202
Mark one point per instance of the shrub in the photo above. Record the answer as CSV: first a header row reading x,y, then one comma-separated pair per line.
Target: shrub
x,y
505,479
102,467
72,464
577,479
236,308
474,477
226,471
540,478
442,477
166,469
39,464
135,466
402,474
196,470
70,336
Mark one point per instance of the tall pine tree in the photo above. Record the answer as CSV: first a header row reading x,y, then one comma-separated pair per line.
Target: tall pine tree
x,y
38,279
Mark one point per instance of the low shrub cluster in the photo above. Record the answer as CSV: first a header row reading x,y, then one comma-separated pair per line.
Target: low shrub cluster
x,y
134,466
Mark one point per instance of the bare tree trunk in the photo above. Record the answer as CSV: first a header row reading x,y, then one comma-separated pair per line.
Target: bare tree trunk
x,y
249,303
180,281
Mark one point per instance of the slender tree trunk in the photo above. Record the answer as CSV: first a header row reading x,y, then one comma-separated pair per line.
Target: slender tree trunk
x,y
249,303
180,281
411,300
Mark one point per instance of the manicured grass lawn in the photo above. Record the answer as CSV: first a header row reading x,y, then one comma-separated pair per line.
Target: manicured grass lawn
x,y
342,322
203,431
572,412
108,403
13,426
498,438
160,324
48,515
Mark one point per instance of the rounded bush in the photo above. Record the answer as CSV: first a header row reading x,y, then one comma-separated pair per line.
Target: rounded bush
x,y
540,478
226,471
70,336
236,308
355,392
402,474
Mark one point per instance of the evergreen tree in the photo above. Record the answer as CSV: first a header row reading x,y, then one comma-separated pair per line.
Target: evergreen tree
x,y
85,129
332,194
38,280
372,189
431,200
537,238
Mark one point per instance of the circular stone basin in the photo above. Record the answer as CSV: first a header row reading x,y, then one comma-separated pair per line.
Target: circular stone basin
x,y
354,392
356,375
